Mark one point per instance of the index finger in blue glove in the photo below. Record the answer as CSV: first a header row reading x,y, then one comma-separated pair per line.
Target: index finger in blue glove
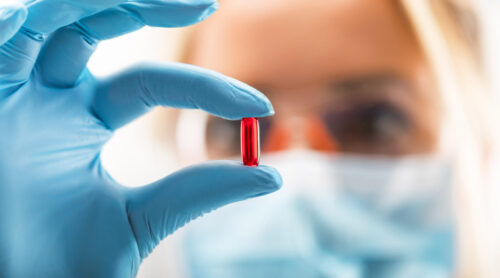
x,y
46,16
124,97
12,17
78,41
159,209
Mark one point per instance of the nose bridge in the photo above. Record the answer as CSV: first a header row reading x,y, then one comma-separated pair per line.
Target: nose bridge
x,y
318,135
298,101
295,126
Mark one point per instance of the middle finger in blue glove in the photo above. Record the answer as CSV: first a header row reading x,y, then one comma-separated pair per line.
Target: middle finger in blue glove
x,y
67,52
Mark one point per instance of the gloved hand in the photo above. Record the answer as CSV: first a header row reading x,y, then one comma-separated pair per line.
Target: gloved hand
x,y
12,16
61,215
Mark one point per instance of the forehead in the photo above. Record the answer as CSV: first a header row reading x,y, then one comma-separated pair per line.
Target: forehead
x,y
287,42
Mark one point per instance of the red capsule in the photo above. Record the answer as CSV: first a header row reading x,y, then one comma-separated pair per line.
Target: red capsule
x,y
250,146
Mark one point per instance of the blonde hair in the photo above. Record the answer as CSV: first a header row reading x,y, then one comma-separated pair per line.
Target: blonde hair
x,y
449,32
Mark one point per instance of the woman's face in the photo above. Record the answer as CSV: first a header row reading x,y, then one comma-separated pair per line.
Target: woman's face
x,y
343,76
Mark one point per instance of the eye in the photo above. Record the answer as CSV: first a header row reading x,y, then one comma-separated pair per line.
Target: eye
x,y
369,127
380,122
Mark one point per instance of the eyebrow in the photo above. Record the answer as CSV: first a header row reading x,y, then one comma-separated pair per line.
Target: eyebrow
x,y
369,82
356,85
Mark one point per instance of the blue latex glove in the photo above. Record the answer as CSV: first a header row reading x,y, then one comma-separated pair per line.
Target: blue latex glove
x,y
61,215
12,16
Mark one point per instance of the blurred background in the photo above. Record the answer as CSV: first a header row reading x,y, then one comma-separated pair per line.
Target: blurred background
x,y
387,106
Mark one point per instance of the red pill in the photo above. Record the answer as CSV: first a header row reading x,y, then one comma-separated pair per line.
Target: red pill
x,y
250,147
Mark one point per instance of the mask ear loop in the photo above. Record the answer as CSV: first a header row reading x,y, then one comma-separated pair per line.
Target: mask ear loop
x,y
190,136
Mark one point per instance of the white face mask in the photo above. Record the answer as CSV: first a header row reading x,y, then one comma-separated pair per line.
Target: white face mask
x,y
336,216
414,189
